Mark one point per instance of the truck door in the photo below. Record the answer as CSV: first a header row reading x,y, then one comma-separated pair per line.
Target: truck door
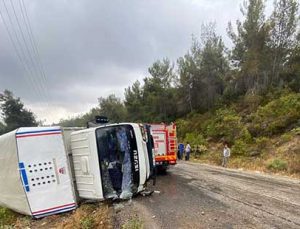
x,y
86,164
44,170
160,140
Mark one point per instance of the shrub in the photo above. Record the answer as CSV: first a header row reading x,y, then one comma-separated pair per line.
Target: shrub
x,y
239,148
199,149
261,142
250,102
182,128
276,115
296,131
202,148
226,123
286,137
195,139
245,135
277,165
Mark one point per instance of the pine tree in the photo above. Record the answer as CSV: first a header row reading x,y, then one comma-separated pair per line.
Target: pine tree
x,y
13,112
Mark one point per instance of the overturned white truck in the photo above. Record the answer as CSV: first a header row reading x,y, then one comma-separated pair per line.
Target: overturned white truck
x,y
45,170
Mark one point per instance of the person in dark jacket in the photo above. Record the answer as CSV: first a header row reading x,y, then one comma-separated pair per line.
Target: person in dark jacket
x,y
180,151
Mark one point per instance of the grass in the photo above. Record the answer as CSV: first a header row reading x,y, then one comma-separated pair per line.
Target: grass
x,y
277,165
133,224
87,216
87,222
7,218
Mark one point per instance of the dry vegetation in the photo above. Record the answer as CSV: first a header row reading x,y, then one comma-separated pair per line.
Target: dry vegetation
x,y
277,156
87,216
263,132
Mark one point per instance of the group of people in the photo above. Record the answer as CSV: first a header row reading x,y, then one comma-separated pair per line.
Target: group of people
x,y
186,151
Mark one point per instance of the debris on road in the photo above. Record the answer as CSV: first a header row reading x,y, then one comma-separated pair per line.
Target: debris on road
x,y
146,193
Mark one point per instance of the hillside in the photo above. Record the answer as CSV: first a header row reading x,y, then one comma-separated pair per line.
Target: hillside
x,y
263,132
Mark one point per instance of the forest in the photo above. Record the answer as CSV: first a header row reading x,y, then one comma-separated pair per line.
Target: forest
x,y
246,94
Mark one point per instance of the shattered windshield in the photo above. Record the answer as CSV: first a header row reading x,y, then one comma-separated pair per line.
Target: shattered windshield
x,y
117,151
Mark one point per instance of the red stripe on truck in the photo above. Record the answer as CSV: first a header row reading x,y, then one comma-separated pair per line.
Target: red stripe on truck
x,y
36,135
45,210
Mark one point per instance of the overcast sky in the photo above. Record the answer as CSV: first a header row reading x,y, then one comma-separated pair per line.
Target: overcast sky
x,y
94,48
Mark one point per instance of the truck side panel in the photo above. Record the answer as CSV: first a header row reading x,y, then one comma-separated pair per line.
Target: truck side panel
x,y
45,172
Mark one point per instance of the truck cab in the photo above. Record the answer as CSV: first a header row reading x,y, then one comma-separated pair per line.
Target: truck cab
x,y
110,161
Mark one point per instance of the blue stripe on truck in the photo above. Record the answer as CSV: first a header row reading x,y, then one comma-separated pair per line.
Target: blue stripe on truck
x,y
38,131
24,176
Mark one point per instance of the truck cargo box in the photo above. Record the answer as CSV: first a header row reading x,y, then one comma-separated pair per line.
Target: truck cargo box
x,y
34,173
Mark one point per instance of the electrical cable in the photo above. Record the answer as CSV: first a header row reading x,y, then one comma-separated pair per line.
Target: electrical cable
x,y
15,45
35,49
32,40
40,84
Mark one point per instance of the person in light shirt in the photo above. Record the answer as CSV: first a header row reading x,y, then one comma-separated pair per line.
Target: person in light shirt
x,y
226,154
187,151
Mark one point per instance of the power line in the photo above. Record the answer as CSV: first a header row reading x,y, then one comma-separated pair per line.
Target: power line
x,y
11,39
20,53
30,60
35,49
32,40
25,46
40,84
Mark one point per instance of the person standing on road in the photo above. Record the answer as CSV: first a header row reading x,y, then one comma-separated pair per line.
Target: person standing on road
x,y
181,150
226,154
187,152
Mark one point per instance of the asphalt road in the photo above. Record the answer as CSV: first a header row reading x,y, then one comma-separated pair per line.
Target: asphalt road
x,y
201,196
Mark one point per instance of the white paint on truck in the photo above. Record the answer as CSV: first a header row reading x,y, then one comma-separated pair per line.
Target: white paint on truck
x,y
44,175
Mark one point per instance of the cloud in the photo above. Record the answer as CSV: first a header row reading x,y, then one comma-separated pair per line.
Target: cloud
x,y
94,48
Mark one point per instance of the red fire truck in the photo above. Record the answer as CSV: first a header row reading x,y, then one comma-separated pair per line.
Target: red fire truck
x,y
165,144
